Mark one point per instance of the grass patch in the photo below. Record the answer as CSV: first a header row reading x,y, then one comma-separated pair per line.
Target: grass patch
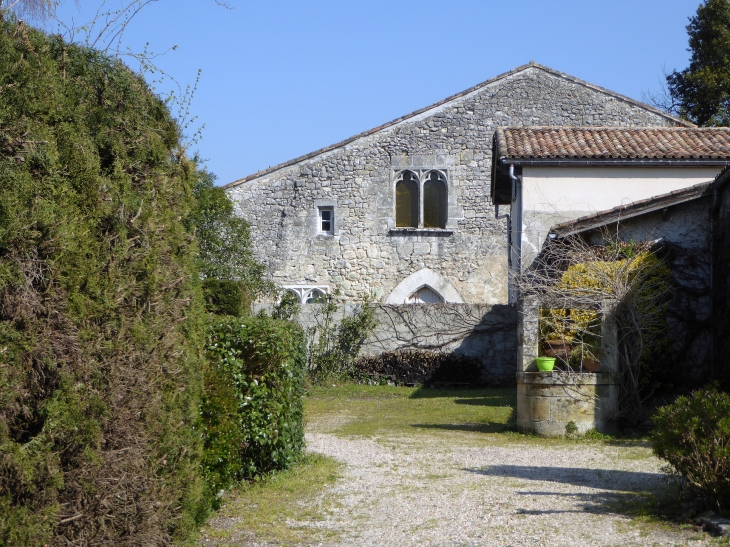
x,y
367,411
659,510
279,508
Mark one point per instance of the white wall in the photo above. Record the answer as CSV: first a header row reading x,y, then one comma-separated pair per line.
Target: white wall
x,y
595,189
551,195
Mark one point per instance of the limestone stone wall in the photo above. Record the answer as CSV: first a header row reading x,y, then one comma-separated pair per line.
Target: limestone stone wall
x,y
484,332
357,179
366,253
548,401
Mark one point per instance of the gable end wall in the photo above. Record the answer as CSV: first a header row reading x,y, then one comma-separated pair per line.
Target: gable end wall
x,y
358,180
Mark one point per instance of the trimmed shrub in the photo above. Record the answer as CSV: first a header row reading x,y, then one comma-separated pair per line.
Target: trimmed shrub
x,y
420,367
101,333
252,411
225,297
693,435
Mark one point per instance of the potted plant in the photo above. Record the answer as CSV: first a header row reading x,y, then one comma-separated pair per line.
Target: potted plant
x,y
545,364
591,361
586,356
558,347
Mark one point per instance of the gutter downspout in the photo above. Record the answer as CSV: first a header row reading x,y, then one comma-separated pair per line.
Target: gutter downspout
x,y
713,211
515,243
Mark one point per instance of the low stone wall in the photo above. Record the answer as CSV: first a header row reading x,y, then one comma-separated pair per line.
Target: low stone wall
x,y
548,401
485,332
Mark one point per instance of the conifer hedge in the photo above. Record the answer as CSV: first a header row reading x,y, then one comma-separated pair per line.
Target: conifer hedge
x,y
101,310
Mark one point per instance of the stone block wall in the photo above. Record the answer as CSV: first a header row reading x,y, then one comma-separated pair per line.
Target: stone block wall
x,y
484,332
548,401
366,253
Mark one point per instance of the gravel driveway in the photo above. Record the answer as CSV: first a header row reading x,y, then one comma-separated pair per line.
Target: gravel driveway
x,y
432,492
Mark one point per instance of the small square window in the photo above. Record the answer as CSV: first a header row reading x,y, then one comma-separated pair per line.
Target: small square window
x,y
327,220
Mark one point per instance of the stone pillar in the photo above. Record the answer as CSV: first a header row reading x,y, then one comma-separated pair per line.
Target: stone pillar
x,y
609,345
528,335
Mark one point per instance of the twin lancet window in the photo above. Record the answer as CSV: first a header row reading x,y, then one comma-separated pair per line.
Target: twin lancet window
x,y
413,212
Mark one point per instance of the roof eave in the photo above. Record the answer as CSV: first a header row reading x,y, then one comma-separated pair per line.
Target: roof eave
x,y
614,162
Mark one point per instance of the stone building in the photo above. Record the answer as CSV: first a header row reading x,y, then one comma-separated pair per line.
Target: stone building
x,y
404,210
634,184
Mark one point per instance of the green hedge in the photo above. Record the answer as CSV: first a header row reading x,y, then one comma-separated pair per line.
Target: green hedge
x,y
693,435
101,311
252,411
225,297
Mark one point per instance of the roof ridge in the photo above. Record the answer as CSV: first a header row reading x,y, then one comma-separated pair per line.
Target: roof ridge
x,y
612,127
449,99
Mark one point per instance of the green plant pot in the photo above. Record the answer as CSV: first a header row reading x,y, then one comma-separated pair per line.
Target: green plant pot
x,y
545,364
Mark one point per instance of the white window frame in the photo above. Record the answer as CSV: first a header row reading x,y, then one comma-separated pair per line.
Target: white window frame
x,y
321,220
303,292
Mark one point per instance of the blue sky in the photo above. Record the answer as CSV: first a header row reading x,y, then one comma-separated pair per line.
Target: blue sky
x,y
284,78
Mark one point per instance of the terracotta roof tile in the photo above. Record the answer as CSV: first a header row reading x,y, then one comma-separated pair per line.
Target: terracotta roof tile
x,y
613,143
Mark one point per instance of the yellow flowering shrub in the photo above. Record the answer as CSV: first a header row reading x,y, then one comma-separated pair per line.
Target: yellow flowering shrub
x,y
591,280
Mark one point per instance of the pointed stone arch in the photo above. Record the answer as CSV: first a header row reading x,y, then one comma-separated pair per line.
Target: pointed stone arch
x,y
424,278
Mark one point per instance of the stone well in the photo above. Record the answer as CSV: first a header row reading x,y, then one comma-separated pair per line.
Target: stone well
x,y
548,401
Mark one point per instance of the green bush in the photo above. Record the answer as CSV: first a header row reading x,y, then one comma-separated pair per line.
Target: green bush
x,y
225,297
693,435
101,311
333,346
224,239
252,411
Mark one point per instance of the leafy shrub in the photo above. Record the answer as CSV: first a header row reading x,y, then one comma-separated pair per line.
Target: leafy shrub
x,y
100,305
333,346
224,239
252,411
421,367
287,308
693,435
225,297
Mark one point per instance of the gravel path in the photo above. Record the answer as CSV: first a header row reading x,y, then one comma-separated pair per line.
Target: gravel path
x,y
427,492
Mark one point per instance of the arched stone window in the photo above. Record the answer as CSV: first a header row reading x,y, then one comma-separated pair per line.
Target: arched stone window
x,y
294,294
307,294
425,295
406,201
435,201
424,287
315,296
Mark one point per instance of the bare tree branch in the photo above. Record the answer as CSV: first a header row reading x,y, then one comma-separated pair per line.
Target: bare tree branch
x,y
624,283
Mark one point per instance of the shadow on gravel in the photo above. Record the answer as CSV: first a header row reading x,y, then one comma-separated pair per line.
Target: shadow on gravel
x,y
629,493
605,479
